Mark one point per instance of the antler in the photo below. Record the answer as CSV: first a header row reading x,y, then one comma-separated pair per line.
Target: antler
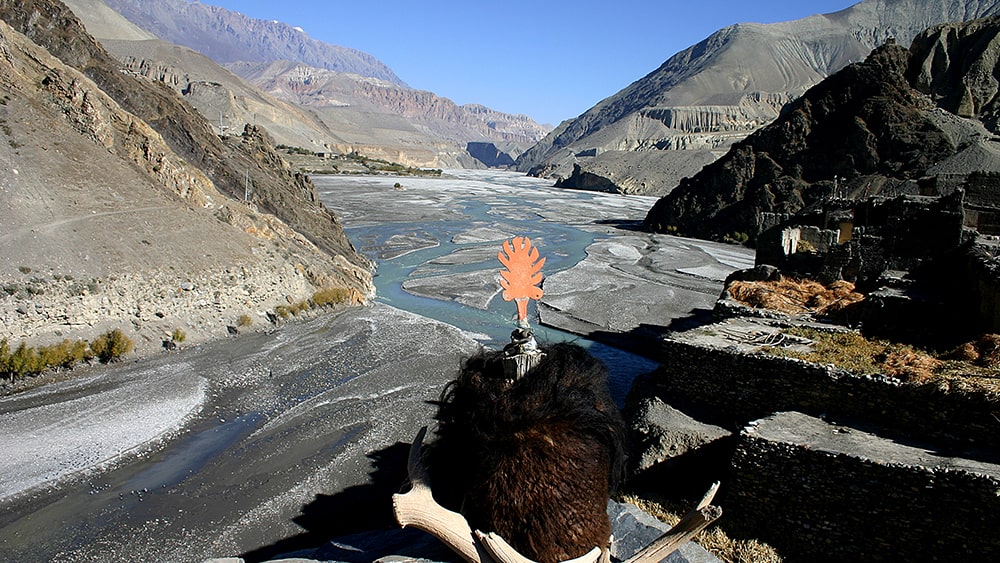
x,y
693,522
522,275
503,552
418,508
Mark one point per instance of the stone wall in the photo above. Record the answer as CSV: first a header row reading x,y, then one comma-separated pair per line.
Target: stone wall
x,y
826,493
744,386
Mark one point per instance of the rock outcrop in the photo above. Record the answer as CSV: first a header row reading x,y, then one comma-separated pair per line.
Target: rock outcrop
x,y
489,154
638,173
956,65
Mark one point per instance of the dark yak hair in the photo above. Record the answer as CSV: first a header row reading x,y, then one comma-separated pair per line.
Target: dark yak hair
x,y
533,459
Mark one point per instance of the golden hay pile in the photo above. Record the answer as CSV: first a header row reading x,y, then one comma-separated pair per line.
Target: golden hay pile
x,y
788,295
984,351
907,364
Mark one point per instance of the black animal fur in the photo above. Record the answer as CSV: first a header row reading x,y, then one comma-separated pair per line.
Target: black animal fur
x,y
536,459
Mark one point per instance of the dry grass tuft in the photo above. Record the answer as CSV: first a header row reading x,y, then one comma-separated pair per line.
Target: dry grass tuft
x,y
963,370
713,539
984,351
791,296
910,365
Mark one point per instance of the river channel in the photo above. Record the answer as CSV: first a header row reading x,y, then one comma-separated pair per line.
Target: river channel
x,y
435,242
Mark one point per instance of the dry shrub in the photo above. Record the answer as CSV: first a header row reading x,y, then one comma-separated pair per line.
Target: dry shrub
x,y
988,346
966,353
983,351
909,365
855,353
788,295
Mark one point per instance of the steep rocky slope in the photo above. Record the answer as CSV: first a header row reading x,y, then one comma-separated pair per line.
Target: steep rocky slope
x,y
719,91
221,97
109,222
54,27
956,64
863,131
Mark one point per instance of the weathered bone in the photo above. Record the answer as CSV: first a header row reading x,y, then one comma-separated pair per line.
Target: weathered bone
x,y
503,552
418,508
693,522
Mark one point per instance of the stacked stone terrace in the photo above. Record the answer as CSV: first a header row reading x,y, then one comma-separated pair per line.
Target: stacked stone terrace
x,y
821,463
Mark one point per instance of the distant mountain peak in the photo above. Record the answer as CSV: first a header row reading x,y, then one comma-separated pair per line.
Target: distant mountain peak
x,y
226,36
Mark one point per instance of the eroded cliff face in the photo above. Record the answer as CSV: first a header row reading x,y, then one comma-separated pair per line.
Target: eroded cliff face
x,y
956,64
864,126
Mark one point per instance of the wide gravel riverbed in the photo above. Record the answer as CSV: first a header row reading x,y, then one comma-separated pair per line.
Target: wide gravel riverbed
x,y
271,441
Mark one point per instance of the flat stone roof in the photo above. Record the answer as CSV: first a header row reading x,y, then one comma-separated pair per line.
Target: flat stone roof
x,y
816,434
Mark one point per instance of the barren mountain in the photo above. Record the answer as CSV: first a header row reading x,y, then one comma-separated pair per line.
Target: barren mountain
x,y
122,209
226,36
719,91
864,131
437,117
225,100
355,107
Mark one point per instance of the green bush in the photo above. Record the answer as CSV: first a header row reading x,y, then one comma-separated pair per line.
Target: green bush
x,y
65,354
111,346
244,320
26,361
178,335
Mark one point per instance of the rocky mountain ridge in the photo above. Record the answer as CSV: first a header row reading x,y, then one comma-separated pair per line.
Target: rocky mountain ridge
x,y
227,36
866,130
343,107
746,71
441,117
136,219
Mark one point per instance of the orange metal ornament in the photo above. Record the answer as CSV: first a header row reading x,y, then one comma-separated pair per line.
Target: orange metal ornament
x,y
522,275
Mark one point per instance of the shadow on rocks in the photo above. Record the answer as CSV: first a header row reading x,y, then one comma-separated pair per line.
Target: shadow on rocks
x,y
645,339
353,510
623,224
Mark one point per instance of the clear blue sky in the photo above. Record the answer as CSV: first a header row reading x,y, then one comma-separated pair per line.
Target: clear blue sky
x,y
551,60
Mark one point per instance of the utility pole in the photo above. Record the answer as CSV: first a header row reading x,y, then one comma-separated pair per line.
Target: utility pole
x,y
246,187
